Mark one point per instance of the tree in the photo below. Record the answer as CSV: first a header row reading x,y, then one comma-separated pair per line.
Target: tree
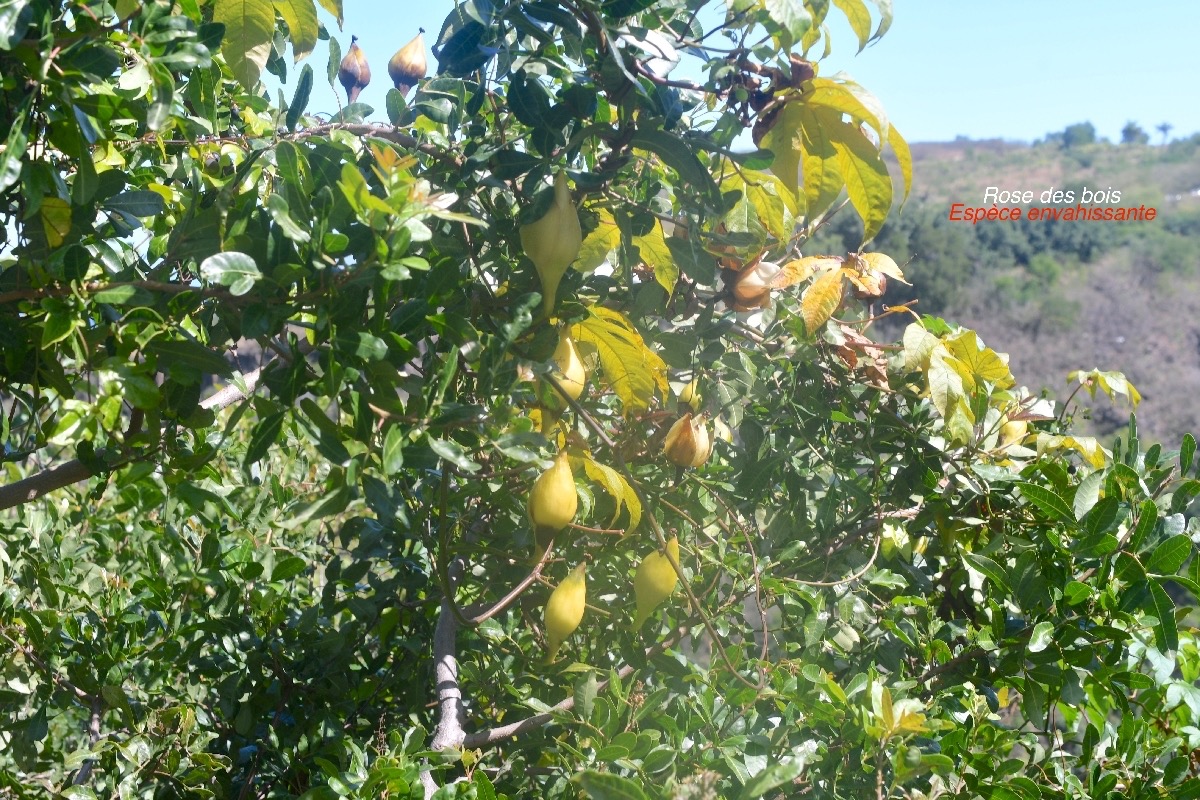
x,y
1132,133
1165,129
897,574
1080,133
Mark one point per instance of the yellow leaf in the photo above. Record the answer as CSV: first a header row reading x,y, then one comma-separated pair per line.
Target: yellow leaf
x,y
56,219
599,242
866,176
785,140
618,488
1088,447
918,345
847,97
983,363
821,299
633,370
656,254
1111,383
881,262
823,180
802,269
903,158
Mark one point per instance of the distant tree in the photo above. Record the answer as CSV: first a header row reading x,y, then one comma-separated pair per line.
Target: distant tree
x,y
1164,128
1079,133
1133,133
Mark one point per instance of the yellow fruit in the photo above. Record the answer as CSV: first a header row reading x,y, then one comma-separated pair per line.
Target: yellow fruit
x,y
553,501
654,582
1013,432
408,65
564,610
354,74
570,373
690,395
552,242
688,443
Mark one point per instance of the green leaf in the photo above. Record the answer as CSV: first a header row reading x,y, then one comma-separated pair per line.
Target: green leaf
x,y
453,452
265,434
791,15
679,157
1187,451
13,154
772,777
1047,501
1166,632
1170,555
1042,637
994,572
185,352
249,26
322,431
303,28
393,449
236,270
300,98
288,568
607,786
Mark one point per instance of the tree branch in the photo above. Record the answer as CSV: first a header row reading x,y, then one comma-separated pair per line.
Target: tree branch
x,y
449,731
494,735
74,471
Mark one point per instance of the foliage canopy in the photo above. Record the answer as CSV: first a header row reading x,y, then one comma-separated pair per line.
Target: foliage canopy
x,y
899,574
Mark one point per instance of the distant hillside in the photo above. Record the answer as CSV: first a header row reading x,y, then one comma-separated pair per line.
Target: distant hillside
x,y
1056,295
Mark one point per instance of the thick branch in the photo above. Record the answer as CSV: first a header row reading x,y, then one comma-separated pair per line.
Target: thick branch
x,y
448,735
33,487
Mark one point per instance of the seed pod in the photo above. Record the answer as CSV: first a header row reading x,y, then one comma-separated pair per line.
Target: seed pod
x,y
1013,432
654,582
553,241
570,372
752,287
688,443
408,65
354,74
564,610
553,501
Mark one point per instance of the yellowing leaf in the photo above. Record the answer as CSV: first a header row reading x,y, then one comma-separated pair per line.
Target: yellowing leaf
x,y
823,179
1111,383
847,97
618,488
802,269
1088,447
599,242
358,194
633,370
866,176
656,254
881,262
859,18
983,363
56,219
918,344
301,19
821,299
785,140
903,158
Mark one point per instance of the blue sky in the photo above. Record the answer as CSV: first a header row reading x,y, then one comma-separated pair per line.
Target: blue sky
x,y
1015,69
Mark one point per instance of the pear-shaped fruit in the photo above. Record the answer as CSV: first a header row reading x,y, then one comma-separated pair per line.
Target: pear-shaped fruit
x,y
1013,432
552,242
690,395
569,369
354,74
564,610
654,582
408,65
553,501
688,442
